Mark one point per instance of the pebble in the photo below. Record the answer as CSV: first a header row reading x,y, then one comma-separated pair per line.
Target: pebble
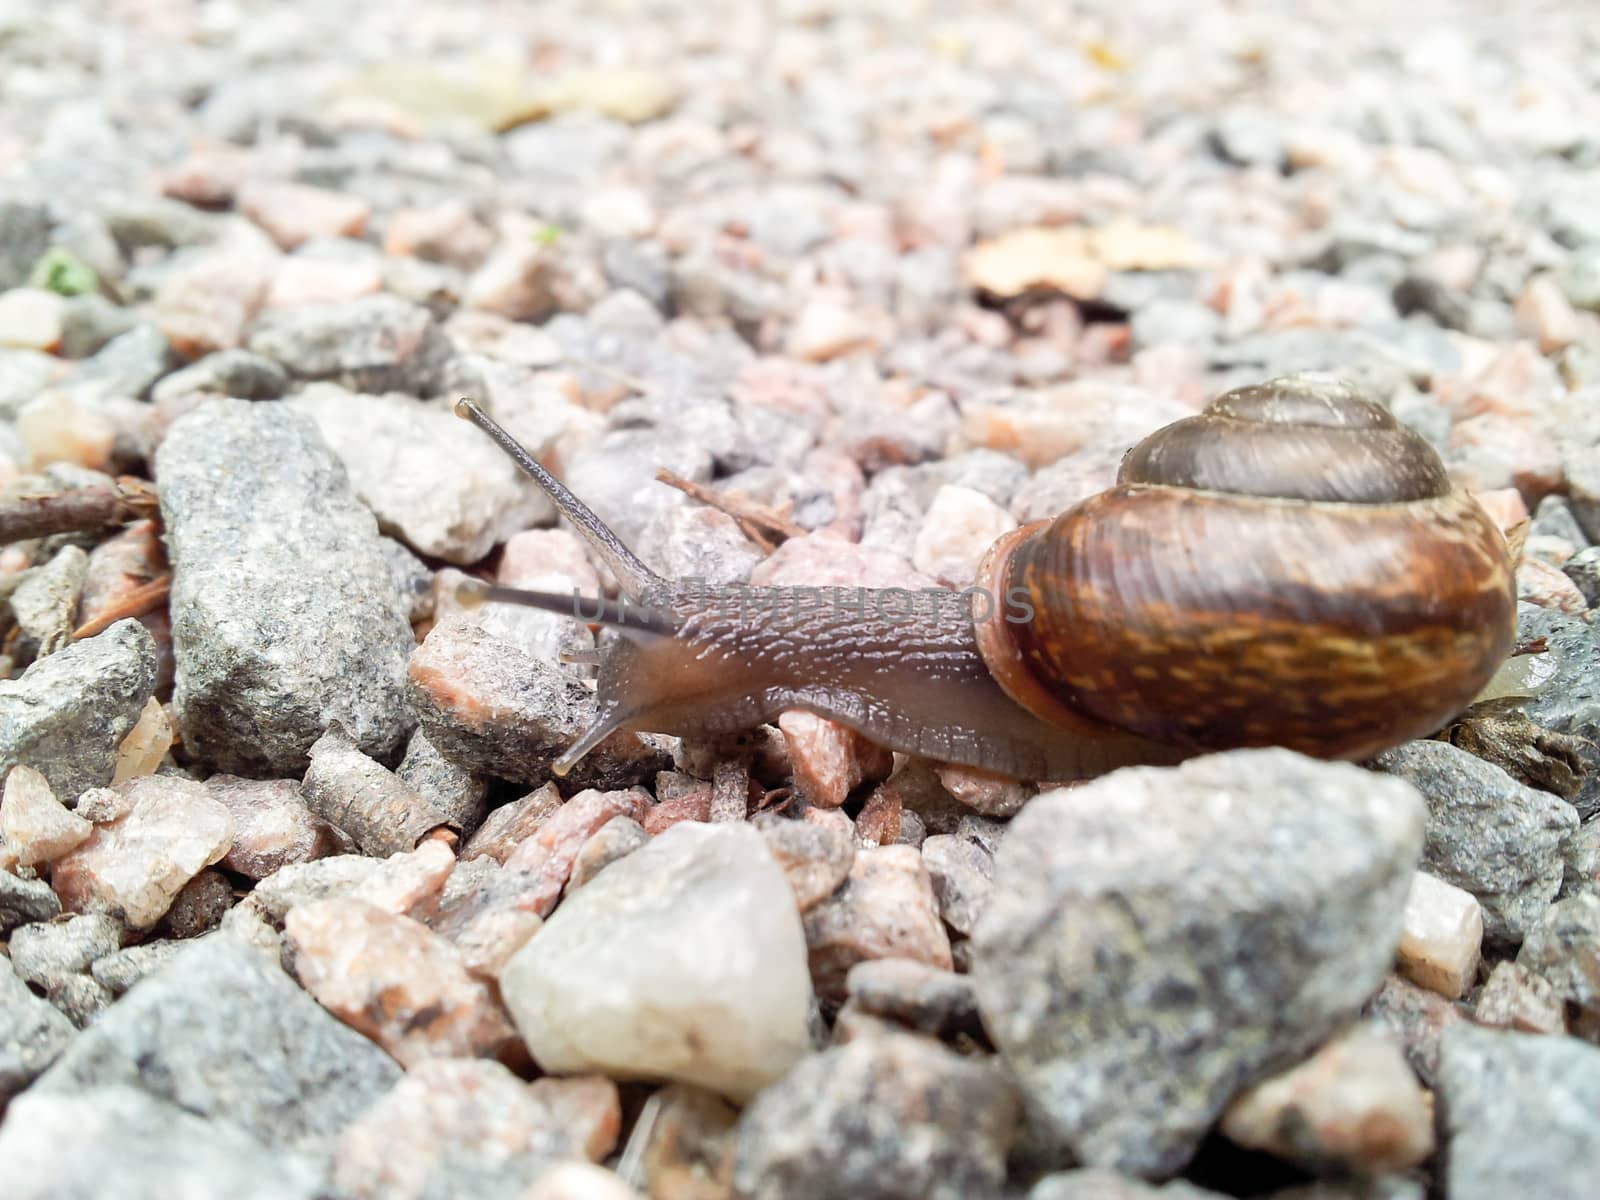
x,y
306,278
1515,997
492,708
25,900
700,545
199,906
428,476
1564,947
830,761
1441,938
1516,1114
208,303
145,748
505,827
1569,702
921,997
579,1181
461,1126
370,344
166,831
65,1146
272,827
963,876
815,856
403,884
524,280
281,543
633,940
68,713
293,213
1487,833
895,1115
448,233
45,603
121,969
614,840
957,531
684,1143
1583,568
1549,587
32,1033
447,788
983,792
236,373
1119,874
886,909
55,957
222,1031
1419,1018
394,980
31,319
1093,1183
1354,1105
492,921
34,824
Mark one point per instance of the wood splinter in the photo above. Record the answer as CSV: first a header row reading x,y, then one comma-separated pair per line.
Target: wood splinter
x,y
755,521
76,510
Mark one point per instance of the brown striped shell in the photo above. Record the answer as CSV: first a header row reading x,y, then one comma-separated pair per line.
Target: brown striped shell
x,y
1290,567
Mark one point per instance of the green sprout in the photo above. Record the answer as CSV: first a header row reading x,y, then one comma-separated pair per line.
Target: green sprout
x,y
61,271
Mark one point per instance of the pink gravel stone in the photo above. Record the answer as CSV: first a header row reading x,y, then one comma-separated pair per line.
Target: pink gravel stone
x,y
1354,1104
504,828
272,827
1517,998
493,920
294,213
394,980
581,1181
208,304
879,821
1505,506
984,792
957,531
300,280
209,176
826,329
816,855
694,805
886,909
1544,314
1549,587
1441,937
446,1108
168,830
36,827
825,560
830,761
548,855
445,233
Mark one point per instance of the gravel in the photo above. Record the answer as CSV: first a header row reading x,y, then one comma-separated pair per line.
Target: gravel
x,y
283,546
1139,925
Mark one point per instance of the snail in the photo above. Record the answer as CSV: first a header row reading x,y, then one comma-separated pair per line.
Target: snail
x,y
1289,567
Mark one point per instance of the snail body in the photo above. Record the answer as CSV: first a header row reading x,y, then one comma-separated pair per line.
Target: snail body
x,y
1290,567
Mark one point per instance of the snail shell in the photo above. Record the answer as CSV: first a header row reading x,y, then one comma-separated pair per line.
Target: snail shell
x,y
1290,567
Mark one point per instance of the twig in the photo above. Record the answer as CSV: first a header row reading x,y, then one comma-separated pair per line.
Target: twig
x,y
75,509
135,604
755,521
